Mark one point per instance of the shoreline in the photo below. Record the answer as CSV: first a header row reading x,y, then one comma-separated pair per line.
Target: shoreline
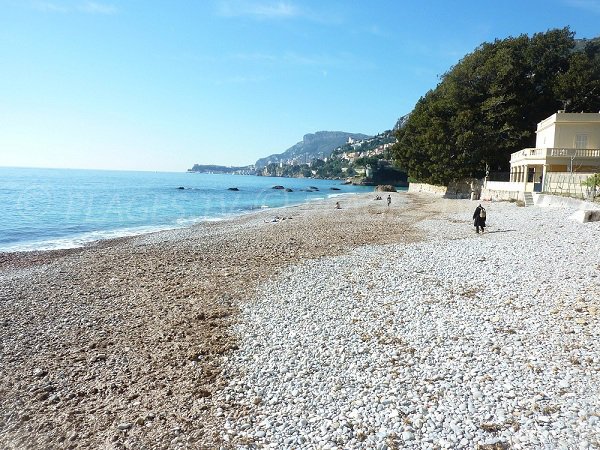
x,y
80,241
95,337
138,342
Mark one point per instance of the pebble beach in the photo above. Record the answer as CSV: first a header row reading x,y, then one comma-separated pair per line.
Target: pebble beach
x,y
311,327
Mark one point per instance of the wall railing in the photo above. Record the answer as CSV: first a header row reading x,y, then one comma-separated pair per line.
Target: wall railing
x,y
536,153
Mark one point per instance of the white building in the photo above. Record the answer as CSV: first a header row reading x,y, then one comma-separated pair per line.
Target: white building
x,y
567,147
565,142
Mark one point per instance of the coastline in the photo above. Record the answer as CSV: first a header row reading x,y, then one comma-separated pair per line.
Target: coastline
x,y
97,237
94,337
144,341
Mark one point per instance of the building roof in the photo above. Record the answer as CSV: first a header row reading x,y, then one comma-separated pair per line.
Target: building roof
x,y
563,117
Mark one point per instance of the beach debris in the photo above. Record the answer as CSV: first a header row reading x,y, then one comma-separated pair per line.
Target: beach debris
x,y
39,372
497,445
278,219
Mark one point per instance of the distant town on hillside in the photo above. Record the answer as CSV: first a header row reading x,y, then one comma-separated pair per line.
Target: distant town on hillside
x,y
327,154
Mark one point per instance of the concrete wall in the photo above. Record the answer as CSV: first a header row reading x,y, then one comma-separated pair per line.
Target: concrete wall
x,y
504,186
546,200
427,189
567,183
464,188
497,191
585,216
458,189
493,195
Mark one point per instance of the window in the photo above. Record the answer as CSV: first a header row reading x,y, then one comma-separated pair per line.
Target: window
x,y
581,141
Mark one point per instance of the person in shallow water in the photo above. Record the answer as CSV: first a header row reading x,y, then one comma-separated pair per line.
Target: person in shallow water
x,y
479,217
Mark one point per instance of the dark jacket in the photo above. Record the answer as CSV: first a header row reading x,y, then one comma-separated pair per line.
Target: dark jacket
x,y
477,219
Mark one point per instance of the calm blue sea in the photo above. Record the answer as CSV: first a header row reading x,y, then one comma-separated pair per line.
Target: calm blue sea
x,y
45,209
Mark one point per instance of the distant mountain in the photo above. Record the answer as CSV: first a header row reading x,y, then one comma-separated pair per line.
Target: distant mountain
x,y
313,146
401,122
581,43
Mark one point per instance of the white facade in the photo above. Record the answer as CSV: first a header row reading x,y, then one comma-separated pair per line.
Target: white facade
x,y
565,142
569,130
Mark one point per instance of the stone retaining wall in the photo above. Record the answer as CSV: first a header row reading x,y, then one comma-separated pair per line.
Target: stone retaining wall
x,y
494,195
565,202
458,189
427,189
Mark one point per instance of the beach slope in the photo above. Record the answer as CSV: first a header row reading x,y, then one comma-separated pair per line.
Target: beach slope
x,y
311,327
121,343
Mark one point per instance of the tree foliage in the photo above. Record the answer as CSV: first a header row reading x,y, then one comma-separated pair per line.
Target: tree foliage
x,y
487,106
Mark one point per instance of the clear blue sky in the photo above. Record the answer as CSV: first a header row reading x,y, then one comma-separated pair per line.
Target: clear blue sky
x,y
161,85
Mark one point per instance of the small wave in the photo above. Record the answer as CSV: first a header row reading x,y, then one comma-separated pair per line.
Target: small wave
x,y
212,219
81,239
341,194
183,222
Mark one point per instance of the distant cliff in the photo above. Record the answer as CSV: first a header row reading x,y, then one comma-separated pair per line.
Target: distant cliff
x,y
313,146
401,122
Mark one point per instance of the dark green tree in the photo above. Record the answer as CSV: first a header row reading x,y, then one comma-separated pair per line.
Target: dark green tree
x,y
487,106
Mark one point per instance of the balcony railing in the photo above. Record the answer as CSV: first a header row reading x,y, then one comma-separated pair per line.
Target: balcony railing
x,y
537,153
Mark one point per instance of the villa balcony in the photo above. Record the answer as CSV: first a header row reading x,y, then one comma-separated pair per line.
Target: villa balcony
x,y
541,155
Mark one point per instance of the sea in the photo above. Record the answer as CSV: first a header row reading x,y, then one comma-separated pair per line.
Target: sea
x,y
46,209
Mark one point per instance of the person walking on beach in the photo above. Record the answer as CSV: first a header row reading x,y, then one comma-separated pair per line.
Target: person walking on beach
x,y
389,200
479,217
